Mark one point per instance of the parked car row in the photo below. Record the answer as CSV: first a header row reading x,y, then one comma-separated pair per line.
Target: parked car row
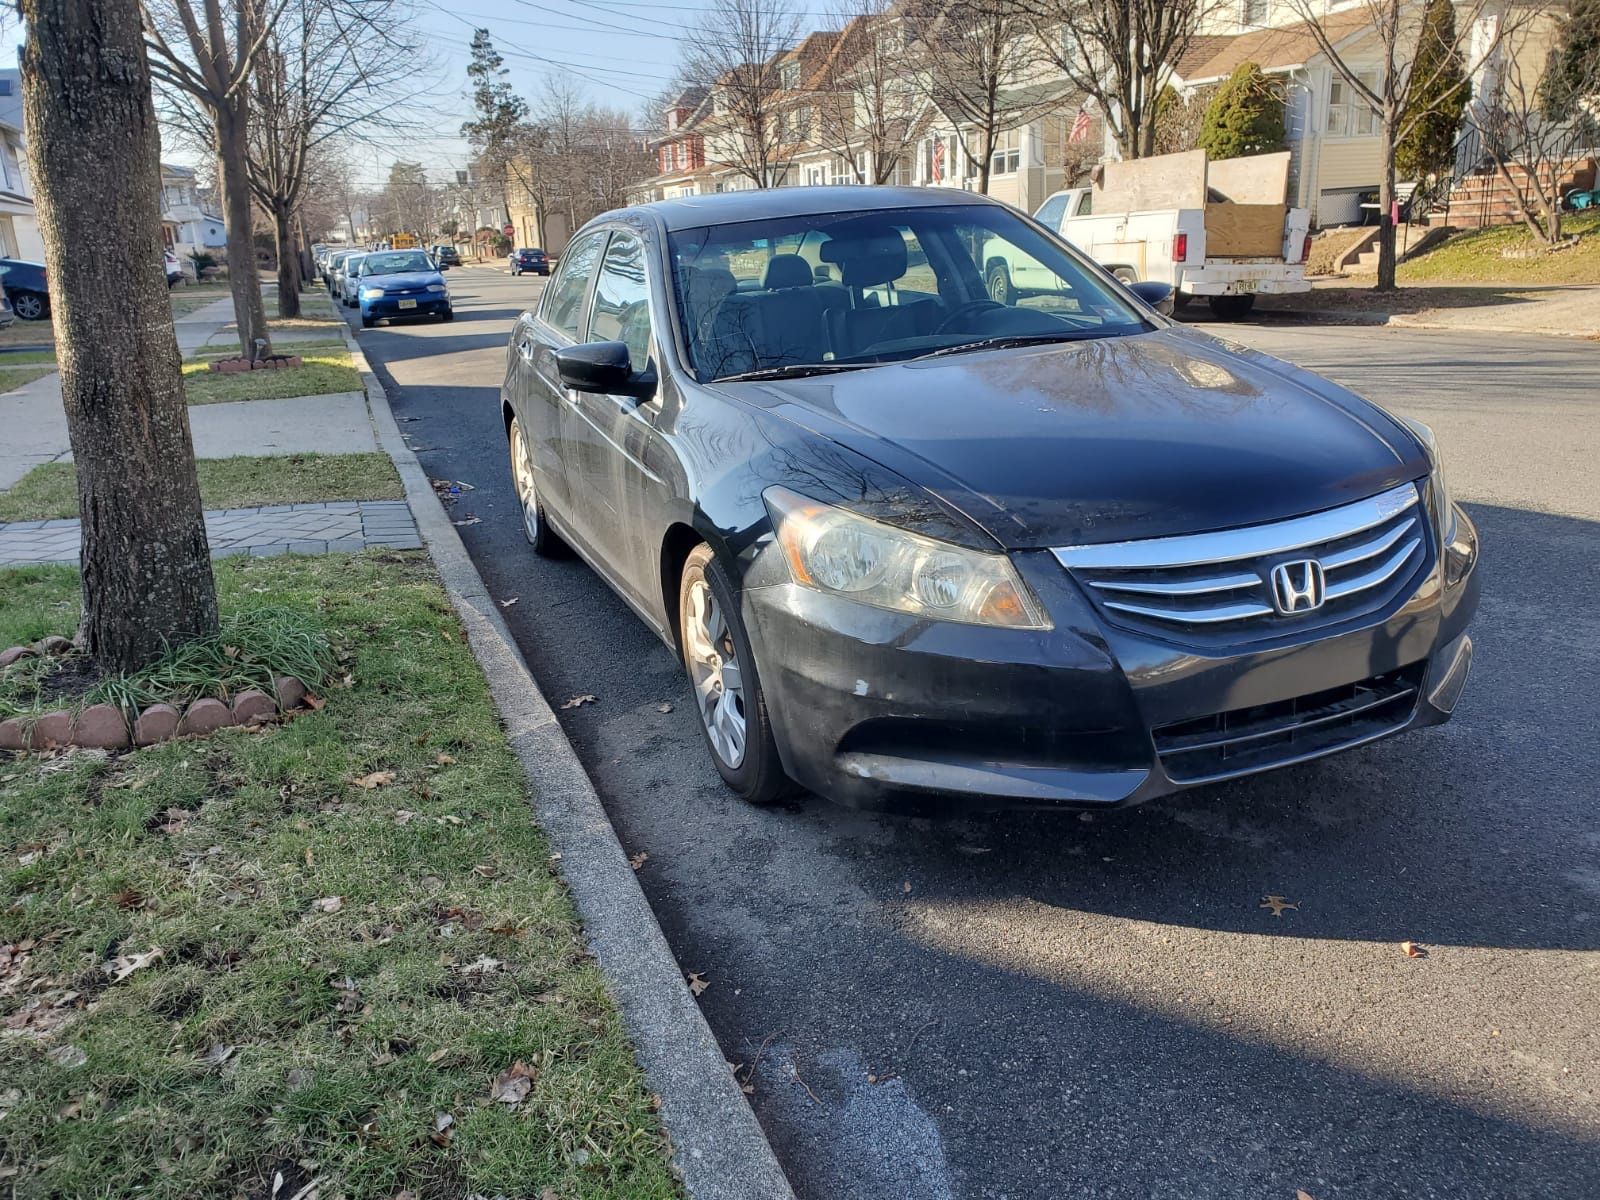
x,y
912,539
388,284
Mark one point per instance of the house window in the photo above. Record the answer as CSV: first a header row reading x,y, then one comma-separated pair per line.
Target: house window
x,y
1253,14
1007,156
1348,114
790,75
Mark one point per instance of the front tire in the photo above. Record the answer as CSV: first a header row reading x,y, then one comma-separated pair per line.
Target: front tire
x,y
367,322
727,690
544,540
1000,289
30,306
1231,308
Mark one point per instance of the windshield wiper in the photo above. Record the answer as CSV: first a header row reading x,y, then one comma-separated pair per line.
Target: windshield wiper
x,y
1016,339
793,371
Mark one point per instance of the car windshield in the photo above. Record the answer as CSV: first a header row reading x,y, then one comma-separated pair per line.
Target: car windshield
x,y
836,290
395,262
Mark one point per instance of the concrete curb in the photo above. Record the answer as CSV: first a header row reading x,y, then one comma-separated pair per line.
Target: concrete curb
x,y
1355,317
719,1146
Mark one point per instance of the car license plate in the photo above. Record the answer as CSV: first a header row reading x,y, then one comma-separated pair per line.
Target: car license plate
x,y
408,304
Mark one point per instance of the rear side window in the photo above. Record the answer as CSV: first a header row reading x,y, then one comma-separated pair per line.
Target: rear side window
x,y
563,299
1051,212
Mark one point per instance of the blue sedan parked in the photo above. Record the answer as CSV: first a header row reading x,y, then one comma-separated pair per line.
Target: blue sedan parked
x,y
401,283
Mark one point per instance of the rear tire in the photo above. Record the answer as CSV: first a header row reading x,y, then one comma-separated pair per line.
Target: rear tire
x,y
727,690
1231,308
30,306
544,540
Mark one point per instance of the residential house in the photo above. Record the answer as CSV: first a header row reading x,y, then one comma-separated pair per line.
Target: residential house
x,y
19,228
188,225
1334,139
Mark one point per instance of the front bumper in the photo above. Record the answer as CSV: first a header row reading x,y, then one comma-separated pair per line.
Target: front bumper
x,y
877,709
382,307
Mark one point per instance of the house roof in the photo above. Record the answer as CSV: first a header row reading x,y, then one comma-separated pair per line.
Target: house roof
x,y
1202,49
1274,49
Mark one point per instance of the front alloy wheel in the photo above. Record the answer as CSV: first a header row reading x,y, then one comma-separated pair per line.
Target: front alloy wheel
x,y
727,690
534,527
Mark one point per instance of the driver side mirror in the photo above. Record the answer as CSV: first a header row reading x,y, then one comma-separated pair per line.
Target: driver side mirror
x,y
1157,295
604,368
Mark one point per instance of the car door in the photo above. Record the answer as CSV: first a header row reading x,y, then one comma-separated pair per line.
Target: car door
x,y
608,437
560,319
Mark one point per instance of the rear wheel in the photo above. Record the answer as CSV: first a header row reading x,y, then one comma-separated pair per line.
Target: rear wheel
x,y
727,691
540,536
1231,308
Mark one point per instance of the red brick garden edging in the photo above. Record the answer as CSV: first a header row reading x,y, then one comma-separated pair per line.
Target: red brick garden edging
x,y
237,366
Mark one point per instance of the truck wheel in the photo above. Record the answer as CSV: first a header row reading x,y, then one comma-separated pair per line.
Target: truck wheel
x,y
1231,308
1000,289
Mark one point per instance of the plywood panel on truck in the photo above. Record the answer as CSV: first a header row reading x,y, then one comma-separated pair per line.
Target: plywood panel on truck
x,y
1146,184
1245,230
1257,179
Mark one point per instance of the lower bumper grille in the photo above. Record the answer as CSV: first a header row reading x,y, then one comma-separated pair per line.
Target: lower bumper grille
x,y
1269,735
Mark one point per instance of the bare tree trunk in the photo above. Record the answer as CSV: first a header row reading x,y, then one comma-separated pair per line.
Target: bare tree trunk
x,y
94,146
243,279
288,265
1386,227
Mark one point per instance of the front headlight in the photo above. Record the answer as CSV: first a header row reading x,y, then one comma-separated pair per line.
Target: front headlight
x,y
437,287
372,293
1444,503
833,550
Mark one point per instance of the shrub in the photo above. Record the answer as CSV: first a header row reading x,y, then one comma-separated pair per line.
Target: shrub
x,y
1245,116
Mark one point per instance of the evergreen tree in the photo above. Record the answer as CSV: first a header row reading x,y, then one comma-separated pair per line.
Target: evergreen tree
x,y
1438,90
1573,75
501,117
1245,115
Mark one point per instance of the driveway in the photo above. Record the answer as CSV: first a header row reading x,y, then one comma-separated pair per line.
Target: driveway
x,y
1044,1006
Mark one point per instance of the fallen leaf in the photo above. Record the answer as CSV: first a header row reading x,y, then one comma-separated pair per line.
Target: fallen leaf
x,y
697,983
638,860
579,701
313,701
403,816
1412,950
375,780
1277,904
443,1129
328,904
484,966
70,1110
68,1056
443,759
906,887
124,965
217,1055
439,1054
1302,1194
485,870
512,1085
663,708
509,603
470,520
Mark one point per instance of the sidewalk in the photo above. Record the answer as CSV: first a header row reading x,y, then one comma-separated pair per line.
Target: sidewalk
x,y
1567,310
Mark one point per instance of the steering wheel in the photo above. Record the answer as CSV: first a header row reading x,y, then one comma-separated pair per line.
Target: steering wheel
x,y
963,310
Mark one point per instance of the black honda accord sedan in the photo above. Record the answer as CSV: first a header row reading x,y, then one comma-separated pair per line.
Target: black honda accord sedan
x,y
914,543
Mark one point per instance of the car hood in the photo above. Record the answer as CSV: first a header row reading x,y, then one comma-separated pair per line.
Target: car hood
x,y
1160,433
408,280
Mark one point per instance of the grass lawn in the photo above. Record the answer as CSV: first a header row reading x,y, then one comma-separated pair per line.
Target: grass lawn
x,y
28,333
188,298
12,377
1475,256
311,950
324,371
49,491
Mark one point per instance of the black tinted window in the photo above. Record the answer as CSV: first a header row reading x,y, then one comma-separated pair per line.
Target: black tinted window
x,y
563,300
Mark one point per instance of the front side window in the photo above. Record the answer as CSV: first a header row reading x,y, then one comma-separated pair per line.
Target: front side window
x,y
563,299
872,287
622,300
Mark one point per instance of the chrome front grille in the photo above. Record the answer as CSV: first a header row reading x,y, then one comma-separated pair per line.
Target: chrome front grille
x,y
1222,586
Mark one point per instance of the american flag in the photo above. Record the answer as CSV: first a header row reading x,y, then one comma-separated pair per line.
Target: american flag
x,y
1080,127
938,160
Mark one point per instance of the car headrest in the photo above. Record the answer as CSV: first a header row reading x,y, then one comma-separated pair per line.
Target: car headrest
x,y
867,257
706,287
787,271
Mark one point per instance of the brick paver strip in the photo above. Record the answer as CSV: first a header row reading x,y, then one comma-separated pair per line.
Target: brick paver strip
x,y
335,527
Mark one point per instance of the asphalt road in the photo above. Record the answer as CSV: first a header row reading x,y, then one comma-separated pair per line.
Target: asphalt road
x,y
1036,1006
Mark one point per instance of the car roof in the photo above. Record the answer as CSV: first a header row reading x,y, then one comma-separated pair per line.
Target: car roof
x,y
729,208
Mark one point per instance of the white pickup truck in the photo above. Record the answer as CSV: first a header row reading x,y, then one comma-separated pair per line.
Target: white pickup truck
x,y
1221,230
